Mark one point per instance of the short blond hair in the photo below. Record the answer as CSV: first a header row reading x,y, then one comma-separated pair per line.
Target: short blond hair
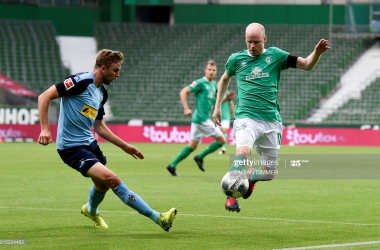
x,y
106,57
211,63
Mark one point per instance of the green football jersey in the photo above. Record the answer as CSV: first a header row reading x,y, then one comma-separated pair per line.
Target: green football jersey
x,y
226,111
257,83
205,93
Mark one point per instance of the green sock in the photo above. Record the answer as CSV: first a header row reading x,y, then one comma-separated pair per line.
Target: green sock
x,y
182,155
226,137
257,176
211,148
237,164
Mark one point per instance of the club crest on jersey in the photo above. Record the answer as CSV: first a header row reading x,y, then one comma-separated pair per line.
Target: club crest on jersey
x,y
68,83
268,60
89,111
257,72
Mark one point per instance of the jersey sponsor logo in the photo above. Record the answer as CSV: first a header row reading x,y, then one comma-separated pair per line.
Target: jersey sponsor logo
x,y
243,64
89,111
193,84
68,83
257,72
268,59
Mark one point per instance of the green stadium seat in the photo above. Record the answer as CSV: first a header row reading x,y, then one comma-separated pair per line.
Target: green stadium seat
x,y
160,60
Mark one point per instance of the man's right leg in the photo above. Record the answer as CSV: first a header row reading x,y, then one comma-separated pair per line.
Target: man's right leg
x,y
195,137
97,193
181,156
102,174
244,143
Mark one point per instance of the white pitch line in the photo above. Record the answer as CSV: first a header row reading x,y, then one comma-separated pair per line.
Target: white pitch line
x,y
329,246
207,215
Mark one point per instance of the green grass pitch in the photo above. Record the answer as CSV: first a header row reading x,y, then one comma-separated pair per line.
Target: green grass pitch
x,y
40,200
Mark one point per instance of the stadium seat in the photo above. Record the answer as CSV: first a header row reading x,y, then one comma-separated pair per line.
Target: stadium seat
x,y
160,60
30,54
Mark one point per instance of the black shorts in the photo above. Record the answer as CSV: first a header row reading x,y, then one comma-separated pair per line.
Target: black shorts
x,y
82,158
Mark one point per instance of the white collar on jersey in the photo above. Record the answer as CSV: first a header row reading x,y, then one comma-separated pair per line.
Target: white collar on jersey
x,y
255,56
207,79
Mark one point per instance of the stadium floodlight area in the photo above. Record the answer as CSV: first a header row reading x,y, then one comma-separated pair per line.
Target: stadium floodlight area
x,y
29,54
160,60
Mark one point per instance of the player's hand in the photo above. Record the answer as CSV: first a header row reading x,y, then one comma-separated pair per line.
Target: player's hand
x,y
217,115
188,112
231,95
45,137
322,46
132,150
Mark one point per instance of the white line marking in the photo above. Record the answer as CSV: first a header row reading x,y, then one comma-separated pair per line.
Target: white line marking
x,y
336,245
206,215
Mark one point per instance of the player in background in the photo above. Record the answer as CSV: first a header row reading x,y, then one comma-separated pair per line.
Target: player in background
x,y
205,92
82,100
258,122
228,112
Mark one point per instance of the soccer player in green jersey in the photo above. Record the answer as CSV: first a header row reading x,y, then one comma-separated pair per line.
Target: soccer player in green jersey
x,y
205,92
228,112
258,122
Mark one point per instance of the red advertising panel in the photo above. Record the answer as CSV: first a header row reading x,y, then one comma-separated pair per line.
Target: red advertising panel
x,y
14,87
181,134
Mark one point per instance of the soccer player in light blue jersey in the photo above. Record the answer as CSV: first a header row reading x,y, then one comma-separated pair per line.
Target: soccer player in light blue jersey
x,y
82,106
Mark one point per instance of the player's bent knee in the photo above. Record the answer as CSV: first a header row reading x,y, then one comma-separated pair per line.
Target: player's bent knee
x,y
111,180
244,150
221,139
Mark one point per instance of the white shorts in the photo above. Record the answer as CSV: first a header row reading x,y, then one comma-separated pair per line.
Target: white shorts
x,y
225,124
207,128
264,136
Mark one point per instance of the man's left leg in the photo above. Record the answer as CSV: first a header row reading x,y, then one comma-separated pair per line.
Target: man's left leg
x,y
225,134
268,147
103,174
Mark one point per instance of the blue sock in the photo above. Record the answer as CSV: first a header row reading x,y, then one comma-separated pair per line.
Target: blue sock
x,y
94,200
135,202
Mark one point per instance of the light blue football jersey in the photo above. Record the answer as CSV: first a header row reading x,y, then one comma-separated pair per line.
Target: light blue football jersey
x,y
81,104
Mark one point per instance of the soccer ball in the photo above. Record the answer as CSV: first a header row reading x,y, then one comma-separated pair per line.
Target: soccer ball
x,y
235,184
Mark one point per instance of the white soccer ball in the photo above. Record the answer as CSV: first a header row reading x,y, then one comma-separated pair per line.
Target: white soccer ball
x,y
235,184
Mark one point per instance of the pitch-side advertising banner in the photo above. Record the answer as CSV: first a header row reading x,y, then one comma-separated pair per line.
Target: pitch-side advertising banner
x,y
181,134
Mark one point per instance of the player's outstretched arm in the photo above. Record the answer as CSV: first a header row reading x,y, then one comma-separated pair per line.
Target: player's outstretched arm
x,y
43,106
222,88
183,95
309,63
101,129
